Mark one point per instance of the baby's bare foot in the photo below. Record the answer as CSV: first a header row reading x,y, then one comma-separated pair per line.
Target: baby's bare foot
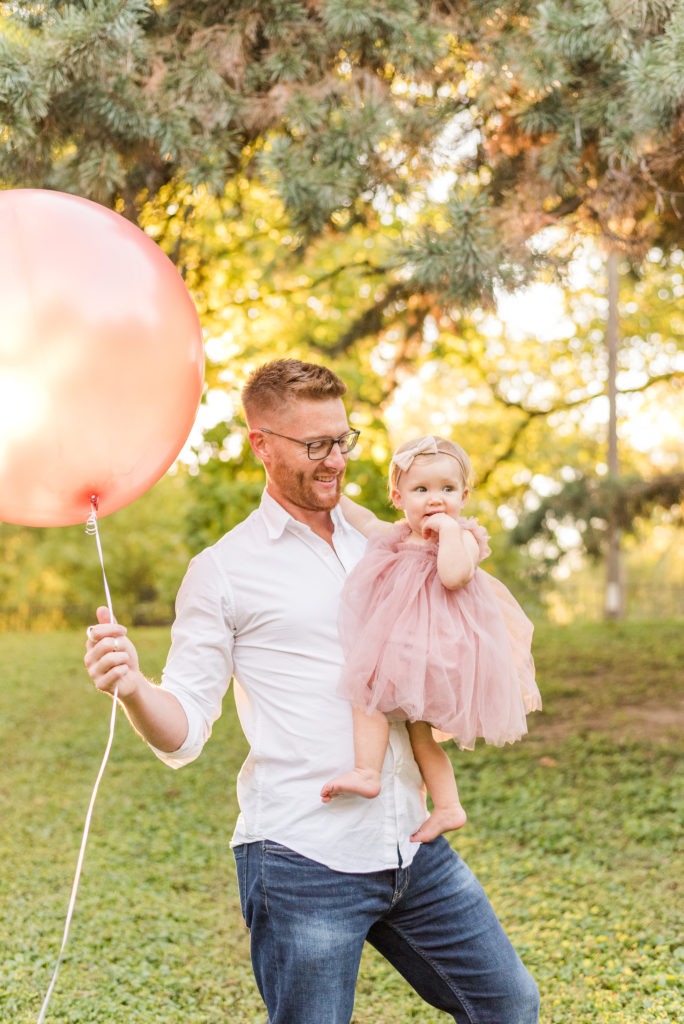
x,y
442,819
360,781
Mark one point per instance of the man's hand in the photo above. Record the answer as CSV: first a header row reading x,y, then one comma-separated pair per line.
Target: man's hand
x,y
112,664
111,659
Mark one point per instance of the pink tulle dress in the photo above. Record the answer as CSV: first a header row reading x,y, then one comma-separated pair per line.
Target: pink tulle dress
x,y
458,659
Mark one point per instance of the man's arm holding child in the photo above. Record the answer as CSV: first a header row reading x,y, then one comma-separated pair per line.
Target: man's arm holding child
x,y
362,519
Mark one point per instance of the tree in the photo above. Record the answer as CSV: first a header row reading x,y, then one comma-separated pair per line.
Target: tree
x,y
331,102
590,505
537,114
579,108
584,128
356,181
337,105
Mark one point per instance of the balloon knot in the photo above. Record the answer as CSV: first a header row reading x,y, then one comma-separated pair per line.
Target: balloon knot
x,y
91,524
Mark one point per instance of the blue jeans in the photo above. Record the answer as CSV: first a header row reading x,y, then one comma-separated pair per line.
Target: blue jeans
x,y
432,921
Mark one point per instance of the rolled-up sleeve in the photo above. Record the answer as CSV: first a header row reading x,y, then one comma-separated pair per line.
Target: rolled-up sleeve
x,y
199,666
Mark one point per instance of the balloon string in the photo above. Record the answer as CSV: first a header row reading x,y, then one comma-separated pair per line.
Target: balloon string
x,y
92,529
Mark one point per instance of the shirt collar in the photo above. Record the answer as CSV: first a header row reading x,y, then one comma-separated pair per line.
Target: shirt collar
x,y
277,519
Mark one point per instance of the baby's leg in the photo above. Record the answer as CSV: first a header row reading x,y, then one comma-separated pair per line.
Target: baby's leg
x,y
371,732
438,775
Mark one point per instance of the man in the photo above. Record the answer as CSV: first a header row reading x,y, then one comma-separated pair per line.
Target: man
x,y
316,880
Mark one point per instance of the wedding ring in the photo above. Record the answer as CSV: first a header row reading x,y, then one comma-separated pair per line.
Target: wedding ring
x,y
116,644
89,632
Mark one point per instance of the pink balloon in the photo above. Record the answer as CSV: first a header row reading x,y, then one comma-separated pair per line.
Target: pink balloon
x,y
101,359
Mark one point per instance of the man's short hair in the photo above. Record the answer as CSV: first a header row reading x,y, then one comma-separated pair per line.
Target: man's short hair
x,y
275,384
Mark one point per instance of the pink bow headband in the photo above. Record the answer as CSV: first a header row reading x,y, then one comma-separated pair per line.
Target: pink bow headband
x,y
423,446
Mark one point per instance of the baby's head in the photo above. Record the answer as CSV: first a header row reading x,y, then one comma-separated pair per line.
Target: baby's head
x,y
427,447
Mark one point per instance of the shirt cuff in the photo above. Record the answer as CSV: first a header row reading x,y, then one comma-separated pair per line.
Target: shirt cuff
x,y
191,748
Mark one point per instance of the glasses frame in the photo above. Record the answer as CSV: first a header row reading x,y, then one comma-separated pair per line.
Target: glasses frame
x,y
332,441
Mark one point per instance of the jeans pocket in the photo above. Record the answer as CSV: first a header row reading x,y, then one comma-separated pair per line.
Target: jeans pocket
x,y
270,847
240,855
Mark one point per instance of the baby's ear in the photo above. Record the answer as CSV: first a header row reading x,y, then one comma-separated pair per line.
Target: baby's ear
x,y
395,498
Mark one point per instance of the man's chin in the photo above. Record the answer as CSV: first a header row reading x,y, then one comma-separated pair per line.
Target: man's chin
x,y
326,503
327,497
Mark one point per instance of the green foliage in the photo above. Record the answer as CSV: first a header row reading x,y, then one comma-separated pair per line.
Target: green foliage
x,y
590,505
574,833
196,92
455,260
52,576
558,109
222,495
580,103
353,183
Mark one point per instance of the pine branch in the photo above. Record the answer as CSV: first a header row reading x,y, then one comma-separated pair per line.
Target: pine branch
x,y
369,323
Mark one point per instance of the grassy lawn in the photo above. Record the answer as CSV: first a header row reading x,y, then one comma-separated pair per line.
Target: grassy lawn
x,y
574,833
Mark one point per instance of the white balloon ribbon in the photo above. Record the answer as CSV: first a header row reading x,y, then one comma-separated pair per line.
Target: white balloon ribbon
x,y
92,529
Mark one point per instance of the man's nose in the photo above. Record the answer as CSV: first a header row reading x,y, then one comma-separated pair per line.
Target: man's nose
x,y
336,460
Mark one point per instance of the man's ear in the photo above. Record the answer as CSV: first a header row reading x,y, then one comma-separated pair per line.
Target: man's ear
x,y
258,441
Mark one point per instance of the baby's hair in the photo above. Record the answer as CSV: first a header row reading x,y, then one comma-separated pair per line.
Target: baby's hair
x,y
444,447
274,384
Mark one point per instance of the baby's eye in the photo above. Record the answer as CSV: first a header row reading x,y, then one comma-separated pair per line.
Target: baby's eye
x,y
421,489
448,488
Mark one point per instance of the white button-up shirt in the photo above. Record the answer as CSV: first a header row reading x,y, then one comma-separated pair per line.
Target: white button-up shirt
x,y
261,606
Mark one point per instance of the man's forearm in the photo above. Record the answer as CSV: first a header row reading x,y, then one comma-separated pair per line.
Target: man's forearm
x,y
156,715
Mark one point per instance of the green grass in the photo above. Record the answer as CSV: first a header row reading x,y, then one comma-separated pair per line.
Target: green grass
x,y
574,833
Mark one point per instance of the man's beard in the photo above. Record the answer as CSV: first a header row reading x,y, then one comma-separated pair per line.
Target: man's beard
x,y
301,490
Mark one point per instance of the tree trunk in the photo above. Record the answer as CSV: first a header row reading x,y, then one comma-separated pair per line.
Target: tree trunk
x,y
615,584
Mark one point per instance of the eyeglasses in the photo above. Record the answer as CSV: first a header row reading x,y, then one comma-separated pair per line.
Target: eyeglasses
x,y
322,446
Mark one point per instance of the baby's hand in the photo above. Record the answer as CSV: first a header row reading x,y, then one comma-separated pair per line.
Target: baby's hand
x,y
435,523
